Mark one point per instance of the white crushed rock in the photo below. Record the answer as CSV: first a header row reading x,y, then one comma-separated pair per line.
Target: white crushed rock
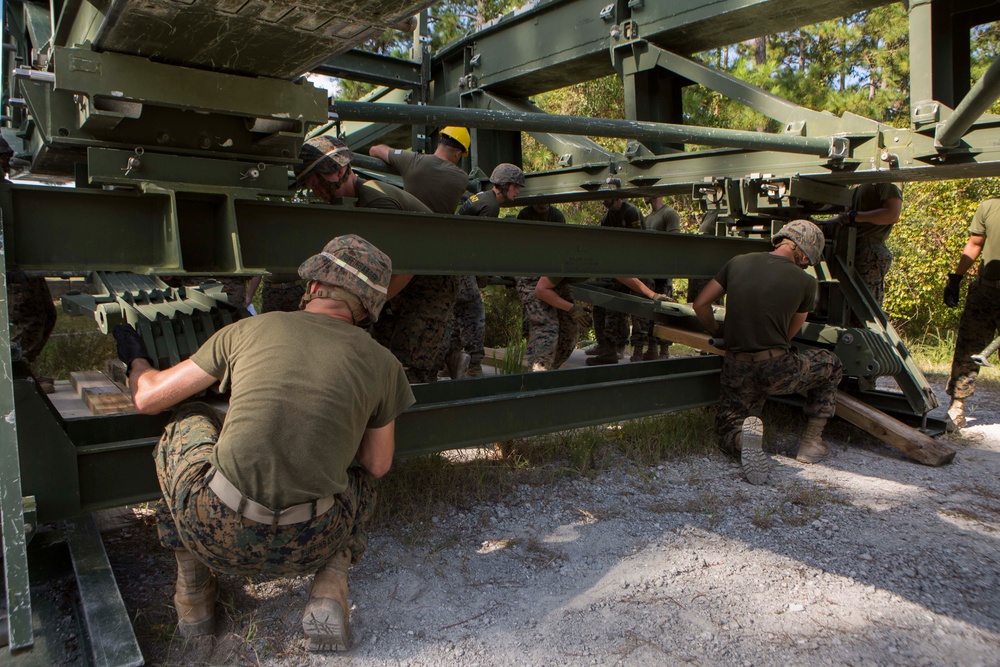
x,y
680,563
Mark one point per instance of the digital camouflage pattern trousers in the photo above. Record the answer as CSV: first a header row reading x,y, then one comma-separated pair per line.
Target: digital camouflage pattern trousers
x,y
747,384
872,262
192,517
467,326
552,333
32,314
414,324
977,329
611,326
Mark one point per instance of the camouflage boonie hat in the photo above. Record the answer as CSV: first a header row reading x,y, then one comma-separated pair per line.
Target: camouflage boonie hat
x,y
322,155
806,235
507,174
353,263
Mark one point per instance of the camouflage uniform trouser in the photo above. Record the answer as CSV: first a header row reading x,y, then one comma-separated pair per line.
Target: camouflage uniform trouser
x,y
977,328
32,314
747,384
611,326
414,324
552,333
283,297
192,517
467,326
872,262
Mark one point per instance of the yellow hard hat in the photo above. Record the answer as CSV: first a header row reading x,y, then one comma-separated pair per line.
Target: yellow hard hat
x,y
459,134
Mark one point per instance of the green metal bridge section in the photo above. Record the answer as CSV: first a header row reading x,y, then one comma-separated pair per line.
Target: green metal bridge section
x,y
160,135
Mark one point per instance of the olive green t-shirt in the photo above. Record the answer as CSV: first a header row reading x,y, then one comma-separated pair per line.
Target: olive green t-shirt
x,y
664,220
986,222
869,197
376,194
305,386
763,292
437,183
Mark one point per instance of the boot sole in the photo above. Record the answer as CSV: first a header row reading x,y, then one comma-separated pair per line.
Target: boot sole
x,y
756,464
326,628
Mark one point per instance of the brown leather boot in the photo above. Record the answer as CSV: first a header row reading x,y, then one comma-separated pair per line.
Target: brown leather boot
x,y
637,352
956,415
607,354
194,597
811,446
326,621
651,353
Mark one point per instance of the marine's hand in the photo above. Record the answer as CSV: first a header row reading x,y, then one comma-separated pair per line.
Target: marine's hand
x,y
664,297
130,345
580,316
952,290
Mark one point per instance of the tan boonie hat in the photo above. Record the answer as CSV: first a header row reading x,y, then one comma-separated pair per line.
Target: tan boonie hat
x,y
353,263
322,155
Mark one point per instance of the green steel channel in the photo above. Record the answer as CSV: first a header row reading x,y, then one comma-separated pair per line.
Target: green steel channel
x,y
447,415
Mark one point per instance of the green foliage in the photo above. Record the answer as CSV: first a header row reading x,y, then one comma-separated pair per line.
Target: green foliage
x,y
927,243
76,344
503,316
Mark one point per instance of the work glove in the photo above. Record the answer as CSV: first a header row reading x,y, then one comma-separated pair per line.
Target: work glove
x,y
831,226
952,289
580,316
130,345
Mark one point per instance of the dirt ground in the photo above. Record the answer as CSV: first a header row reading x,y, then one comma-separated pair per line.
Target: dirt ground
x,y
865,559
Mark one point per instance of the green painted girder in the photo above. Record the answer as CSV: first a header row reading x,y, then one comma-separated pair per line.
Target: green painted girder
x,y
176,232
358,65
15,558
447,415
563,42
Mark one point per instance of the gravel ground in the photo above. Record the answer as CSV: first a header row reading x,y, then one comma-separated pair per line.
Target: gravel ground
x,y
866,559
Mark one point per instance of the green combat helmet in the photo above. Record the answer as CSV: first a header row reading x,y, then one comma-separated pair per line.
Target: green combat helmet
x,y
806,235
356,265
507,174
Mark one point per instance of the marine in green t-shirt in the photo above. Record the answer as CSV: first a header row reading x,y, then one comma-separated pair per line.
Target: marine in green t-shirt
x,y
768,296
270,489
541,213
981,313
436,180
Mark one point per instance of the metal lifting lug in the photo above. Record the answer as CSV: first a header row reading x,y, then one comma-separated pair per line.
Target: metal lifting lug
x,y
607,14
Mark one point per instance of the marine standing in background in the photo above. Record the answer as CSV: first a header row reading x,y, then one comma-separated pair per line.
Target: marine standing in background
x,y
768,296
552,321
434,179
610,326
413,324
875,208
662,218
981,315
468,325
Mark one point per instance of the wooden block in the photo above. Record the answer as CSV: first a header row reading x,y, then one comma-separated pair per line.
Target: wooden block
x,y
107,400
81,380
918,446
698,341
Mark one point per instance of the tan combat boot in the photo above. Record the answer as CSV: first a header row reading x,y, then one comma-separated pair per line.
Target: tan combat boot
x,y
194,597
956,415
811,446
750,443
326,621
